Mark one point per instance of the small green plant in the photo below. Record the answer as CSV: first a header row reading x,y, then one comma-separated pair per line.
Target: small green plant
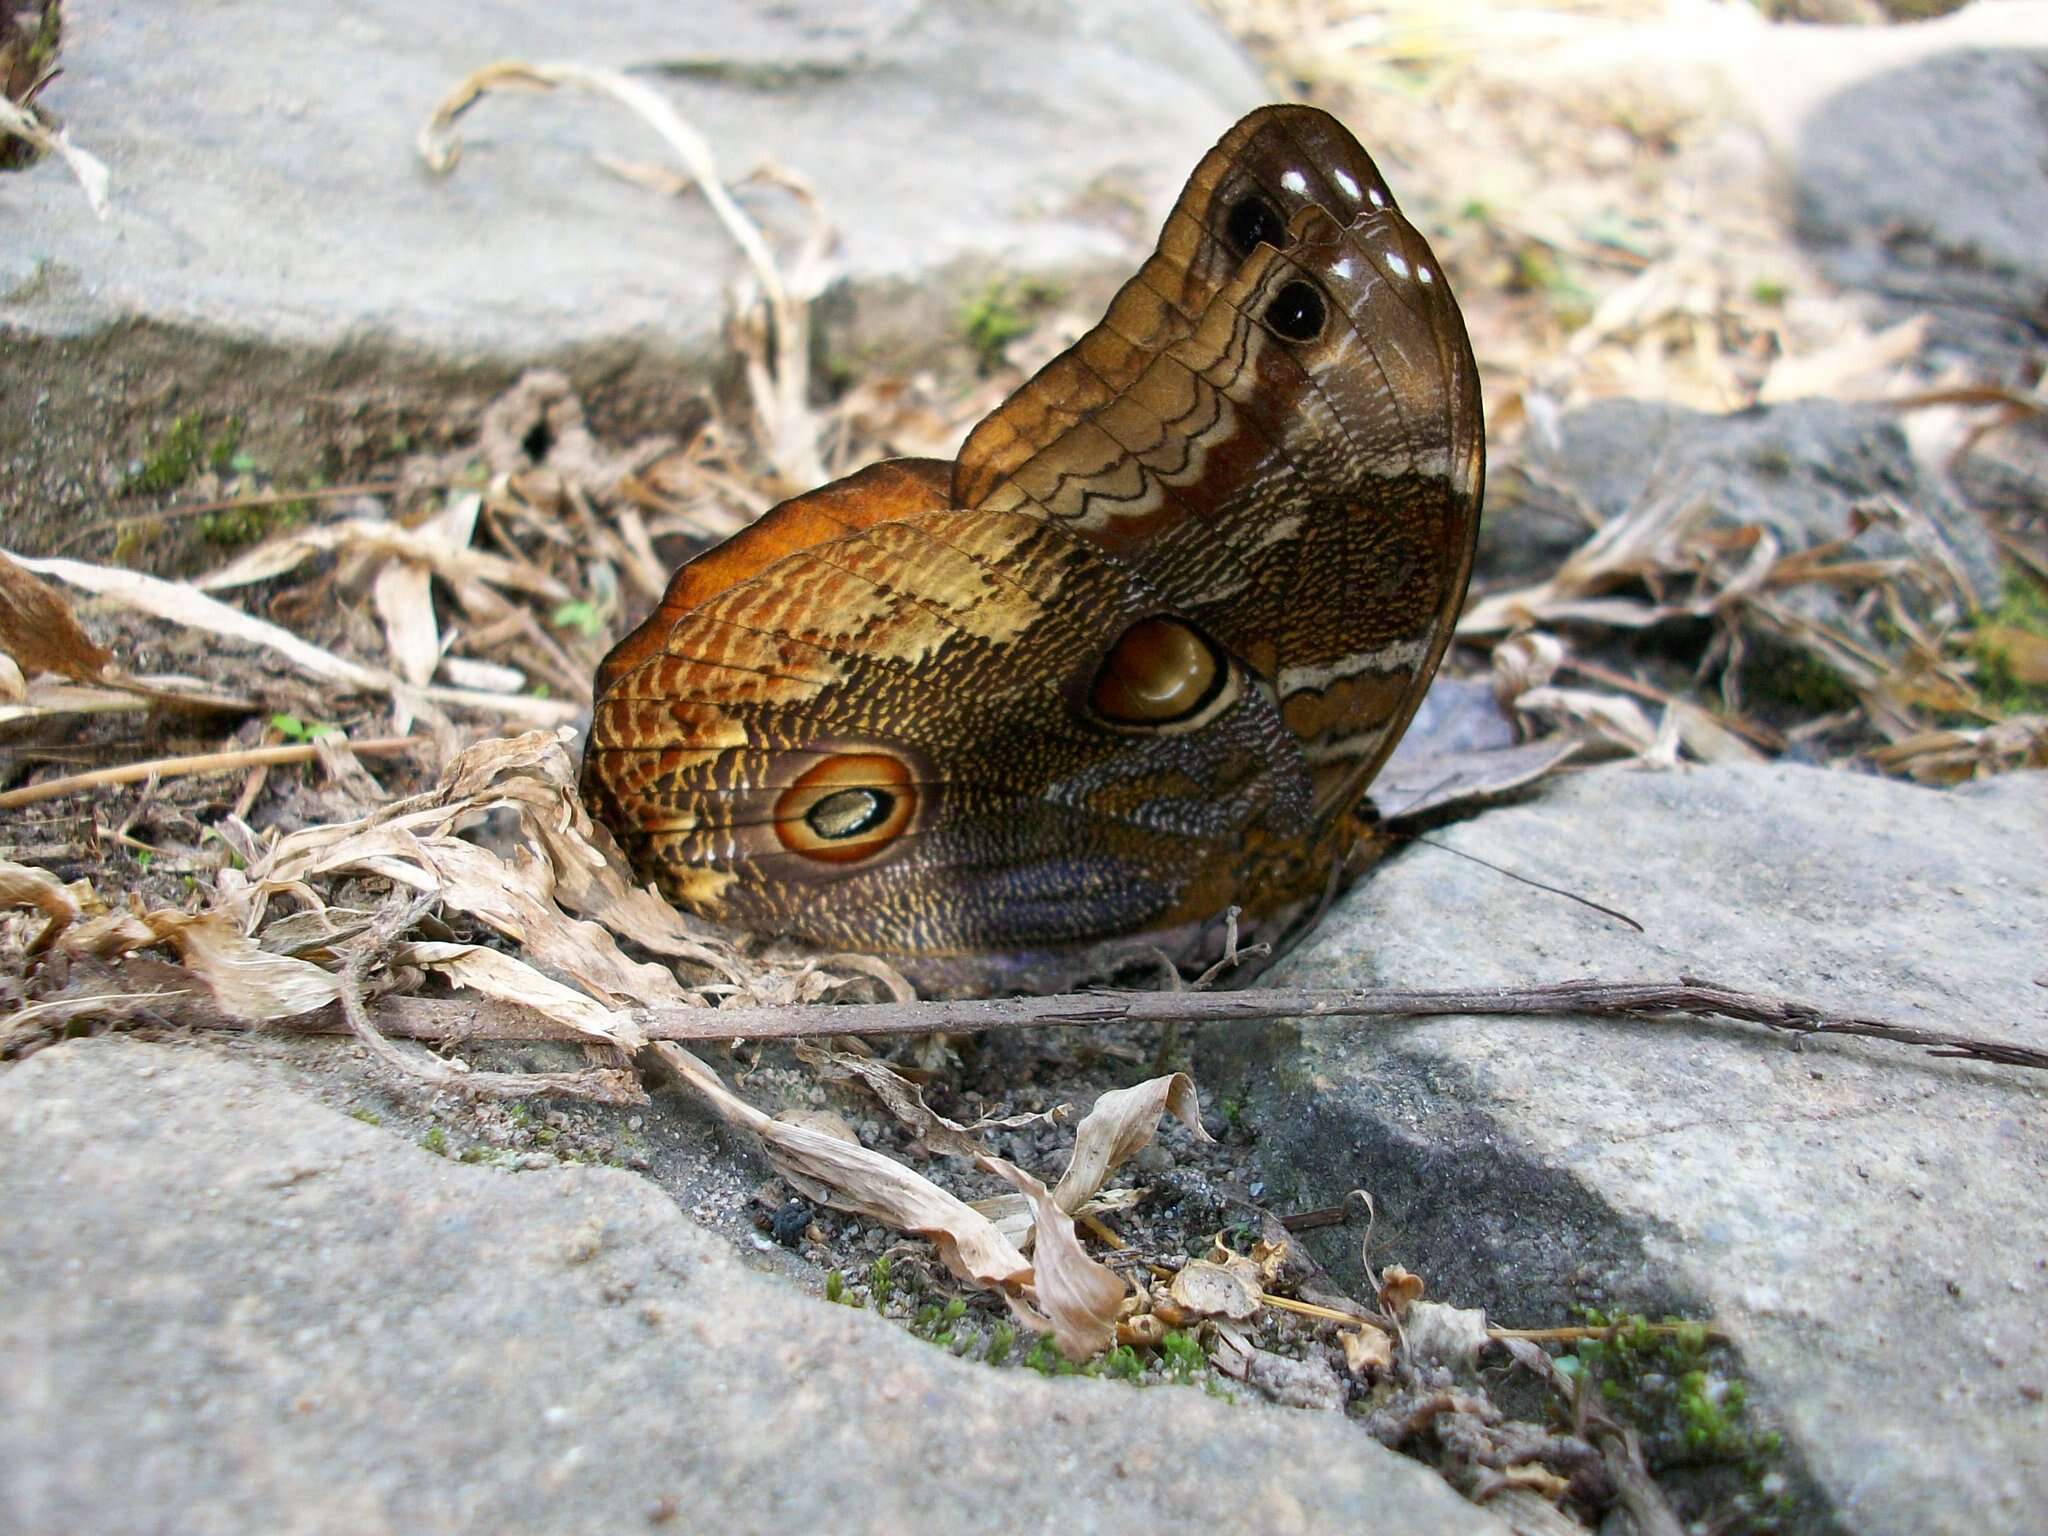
x,y
1764,291
935,1321
835,1286
1669,1381
1182,1359
579,614
367,1116
1001,313
1000,1339
143,859
435,1141
233,527
1045,1358
881,1281
1123,1364
292,728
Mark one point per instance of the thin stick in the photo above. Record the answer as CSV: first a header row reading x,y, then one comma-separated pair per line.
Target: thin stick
x,y
201,763
430,1019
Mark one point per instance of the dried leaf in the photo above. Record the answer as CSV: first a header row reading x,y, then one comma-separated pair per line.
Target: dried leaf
x,y
1450,1335
38,631
1079,1298
23,885
899,1095
403,597
1525,661
1122,1124
1398,1289
179,603
1602,719
90,170
510,979
1368,1351
246,980
1203,1289
851,1178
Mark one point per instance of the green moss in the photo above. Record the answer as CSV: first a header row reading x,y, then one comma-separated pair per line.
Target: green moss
x,y
180,453
1764,291
232,527
1000,1341
999,314
881,1281
1675,1386
367,1116
1796,681
2022,609
435,1141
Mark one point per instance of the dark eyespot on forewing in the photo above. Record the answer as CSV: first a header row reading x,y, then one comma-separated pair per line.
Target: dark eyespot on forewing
x,y
1252,222
1297,312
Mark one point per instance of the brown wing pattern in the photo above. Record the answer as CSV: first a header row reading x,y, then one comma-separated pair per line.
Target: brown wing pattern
x,y
1132,659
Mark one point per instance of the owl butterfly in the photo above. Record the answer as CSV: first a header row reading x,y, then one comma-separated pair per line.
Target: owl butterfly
x,y
1128,662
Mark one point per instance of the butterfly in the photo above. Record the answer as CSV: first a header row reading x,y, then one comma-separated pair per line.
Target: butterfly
x,y
1114,682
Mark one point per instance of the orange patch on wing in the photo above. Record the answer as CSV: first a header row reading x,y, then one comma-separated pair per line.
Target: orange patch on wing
x,y
881,492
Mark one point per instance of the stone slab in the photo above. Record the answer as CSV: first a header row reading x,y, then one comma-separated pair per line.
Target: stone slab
x,y
265,183
1868,1222
230,1309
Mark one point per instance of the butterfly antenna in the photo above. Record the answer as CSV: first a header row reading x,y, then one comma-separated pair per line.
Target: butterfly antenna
x,y
1584,901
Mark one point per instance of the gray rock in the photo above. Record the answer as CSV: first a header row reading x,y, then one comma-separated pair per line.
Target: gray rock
x,y
275,244
230,1309
1799,470
1869,1223
1929,185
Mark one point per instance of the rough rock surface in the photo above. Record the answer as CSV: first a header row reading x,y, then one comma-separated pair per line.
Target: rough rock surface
x,y
265,180
1867,1222
276,252
230,1309
1929,185
1799,470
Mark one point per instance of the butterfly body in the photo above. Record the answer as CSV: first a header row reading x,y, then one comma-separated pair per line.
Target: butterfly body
x,y
1130,661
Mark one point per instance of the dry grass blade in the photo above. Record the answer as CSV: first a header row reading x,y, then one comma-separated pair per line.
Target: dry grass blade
x,y
899,1096
22,123
22,885
493,973
847,1176
791,428
179,603
415,844
197,763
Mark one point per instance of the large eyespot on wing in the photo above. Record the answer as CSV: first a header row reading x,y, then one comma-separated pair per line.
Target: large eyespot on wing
x,y
1245,194
1162,674
846,808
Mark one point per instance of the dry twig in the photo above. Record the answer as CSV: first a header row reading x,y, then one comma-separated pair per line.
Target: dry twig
x,y
426,1019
